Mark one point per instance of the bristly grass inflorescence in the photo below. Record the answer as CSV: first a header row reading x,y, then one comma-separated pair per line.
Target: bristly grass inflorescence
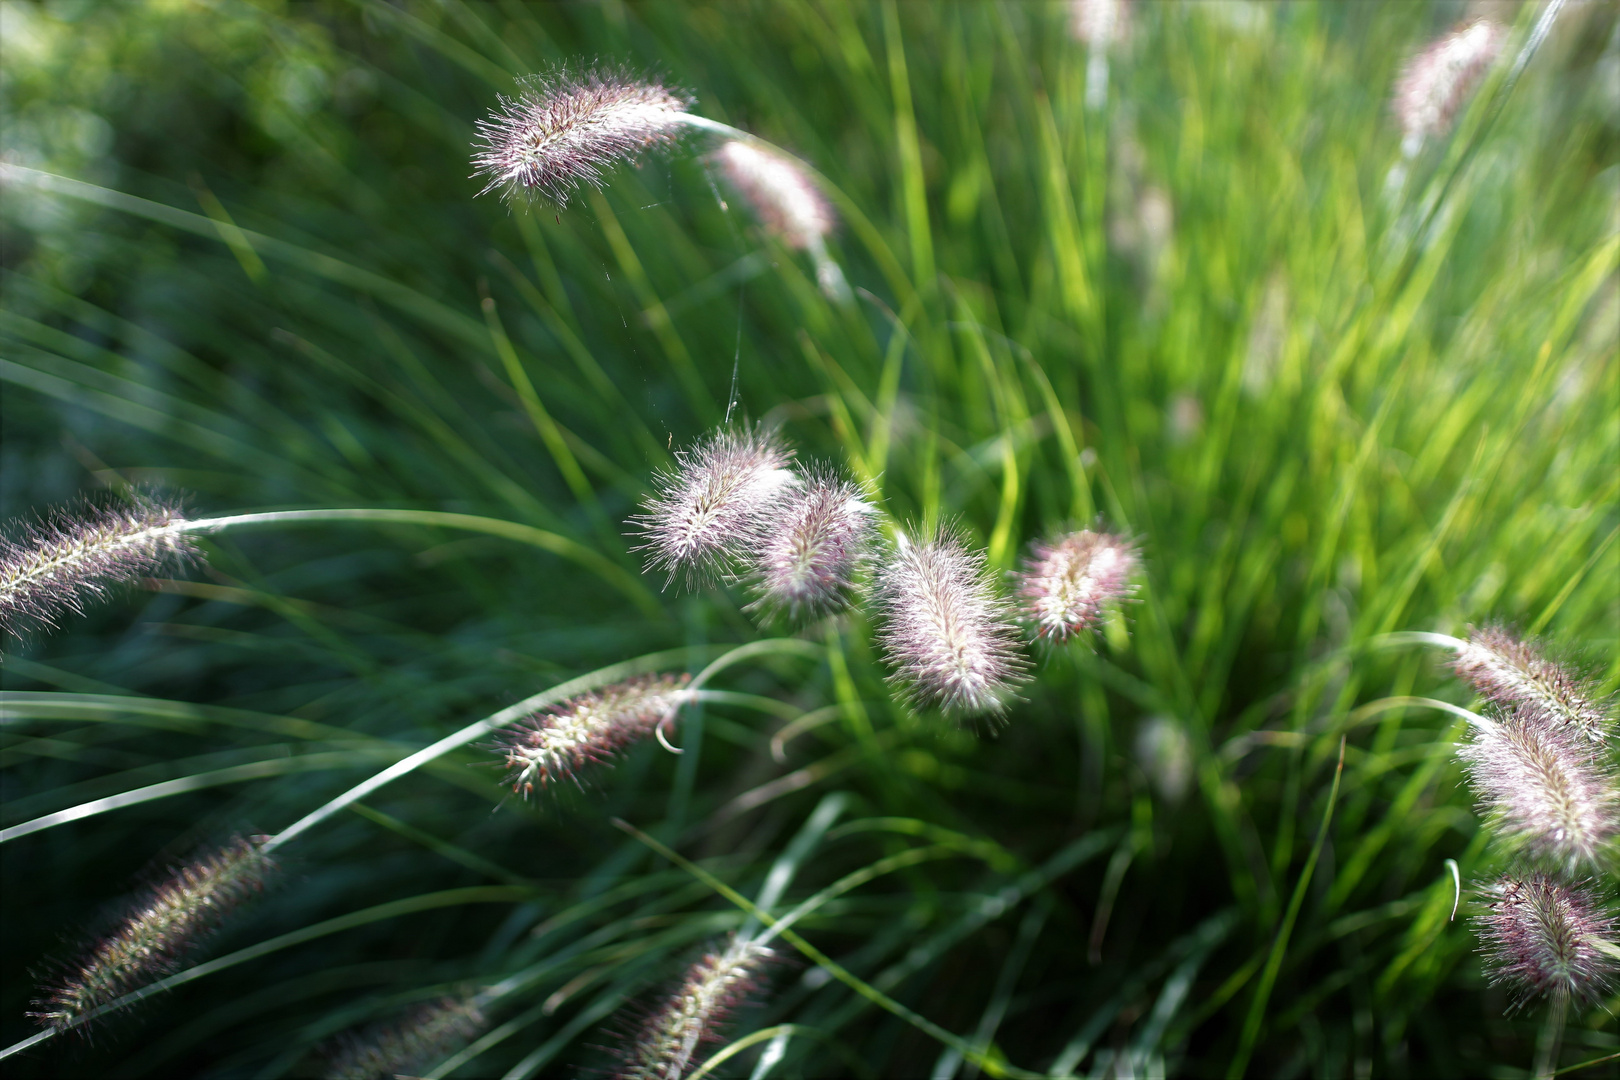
x,y
711,511
666,1046
559,742
1511,672
1068,582
173,918
75,555
422,1038
947,631
565,128
1434,84
1543,936
781,193
814,547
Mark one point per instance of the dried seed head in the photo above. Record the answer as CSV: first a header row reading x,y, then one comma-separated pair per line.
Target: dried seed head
x,y
558,742
1514,674
1098,23
712,509
947,631
421,1039
1066,583
167,924
780,191
73,556
1547,793
565,128
714,987
1543,936
1434,84
813,548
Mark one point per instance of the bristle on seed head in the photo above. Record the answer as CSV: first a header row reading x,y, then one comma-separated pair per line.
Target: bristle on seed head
x,y
780,191
812,548
1543,936
1067,583
1547,794
75,555
559,742
168,923
421,1039
667,1044
710,511
947,631
1514,674
566,128
1435,83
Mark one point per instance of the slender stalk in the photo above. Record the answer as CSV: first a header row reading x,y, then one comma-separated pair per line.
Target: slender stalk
x,y
1552,1034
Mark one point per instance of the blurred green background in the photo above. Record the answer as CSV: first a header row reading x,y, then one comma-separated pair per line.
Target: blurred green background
x,y
1326,412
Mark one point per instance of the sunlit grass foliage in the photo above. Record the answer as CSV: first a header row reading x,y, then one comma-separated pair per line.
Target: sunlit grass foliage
x,y
1181,273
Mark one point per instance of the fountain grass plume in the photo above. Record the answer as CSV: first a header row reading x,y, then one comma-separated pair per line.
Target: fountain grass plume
x,y
1067,583
567,127
667,1044
558,742
787,201
1544,791
947,631
814,546
1515,674
1542,936
169,922
1434,84
709,513
422,1038
75,555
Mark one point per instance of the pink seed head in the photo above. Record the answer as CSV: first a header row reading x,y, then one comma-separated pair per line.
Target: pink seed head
x,y
1515,674
813,548
712,990
559,742
74,556
947,631
1435,83
1066,583
713,508
1543,936
780,191
566,128
414,1043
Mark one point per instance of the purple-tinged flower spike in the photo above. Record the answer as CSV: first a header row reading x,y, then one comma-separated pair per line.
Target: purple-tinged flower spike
x,y
1434,84
166,925
1514,674
1547,794
788,202
814,547
666,1046
421,1039
1543,936
74,556
1067,582
565,128
559,742
947,631
710,511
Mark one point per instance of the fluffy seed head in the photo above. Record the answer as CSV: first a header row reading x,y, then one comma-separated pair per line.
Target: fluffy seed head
x,y
1066,583
558,742
1098,23
1434,84
73,556
711,510
1547,793
713,988
947,632
813,547
170,921
1516,675
780,191
565,128
421,1039
1543,935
